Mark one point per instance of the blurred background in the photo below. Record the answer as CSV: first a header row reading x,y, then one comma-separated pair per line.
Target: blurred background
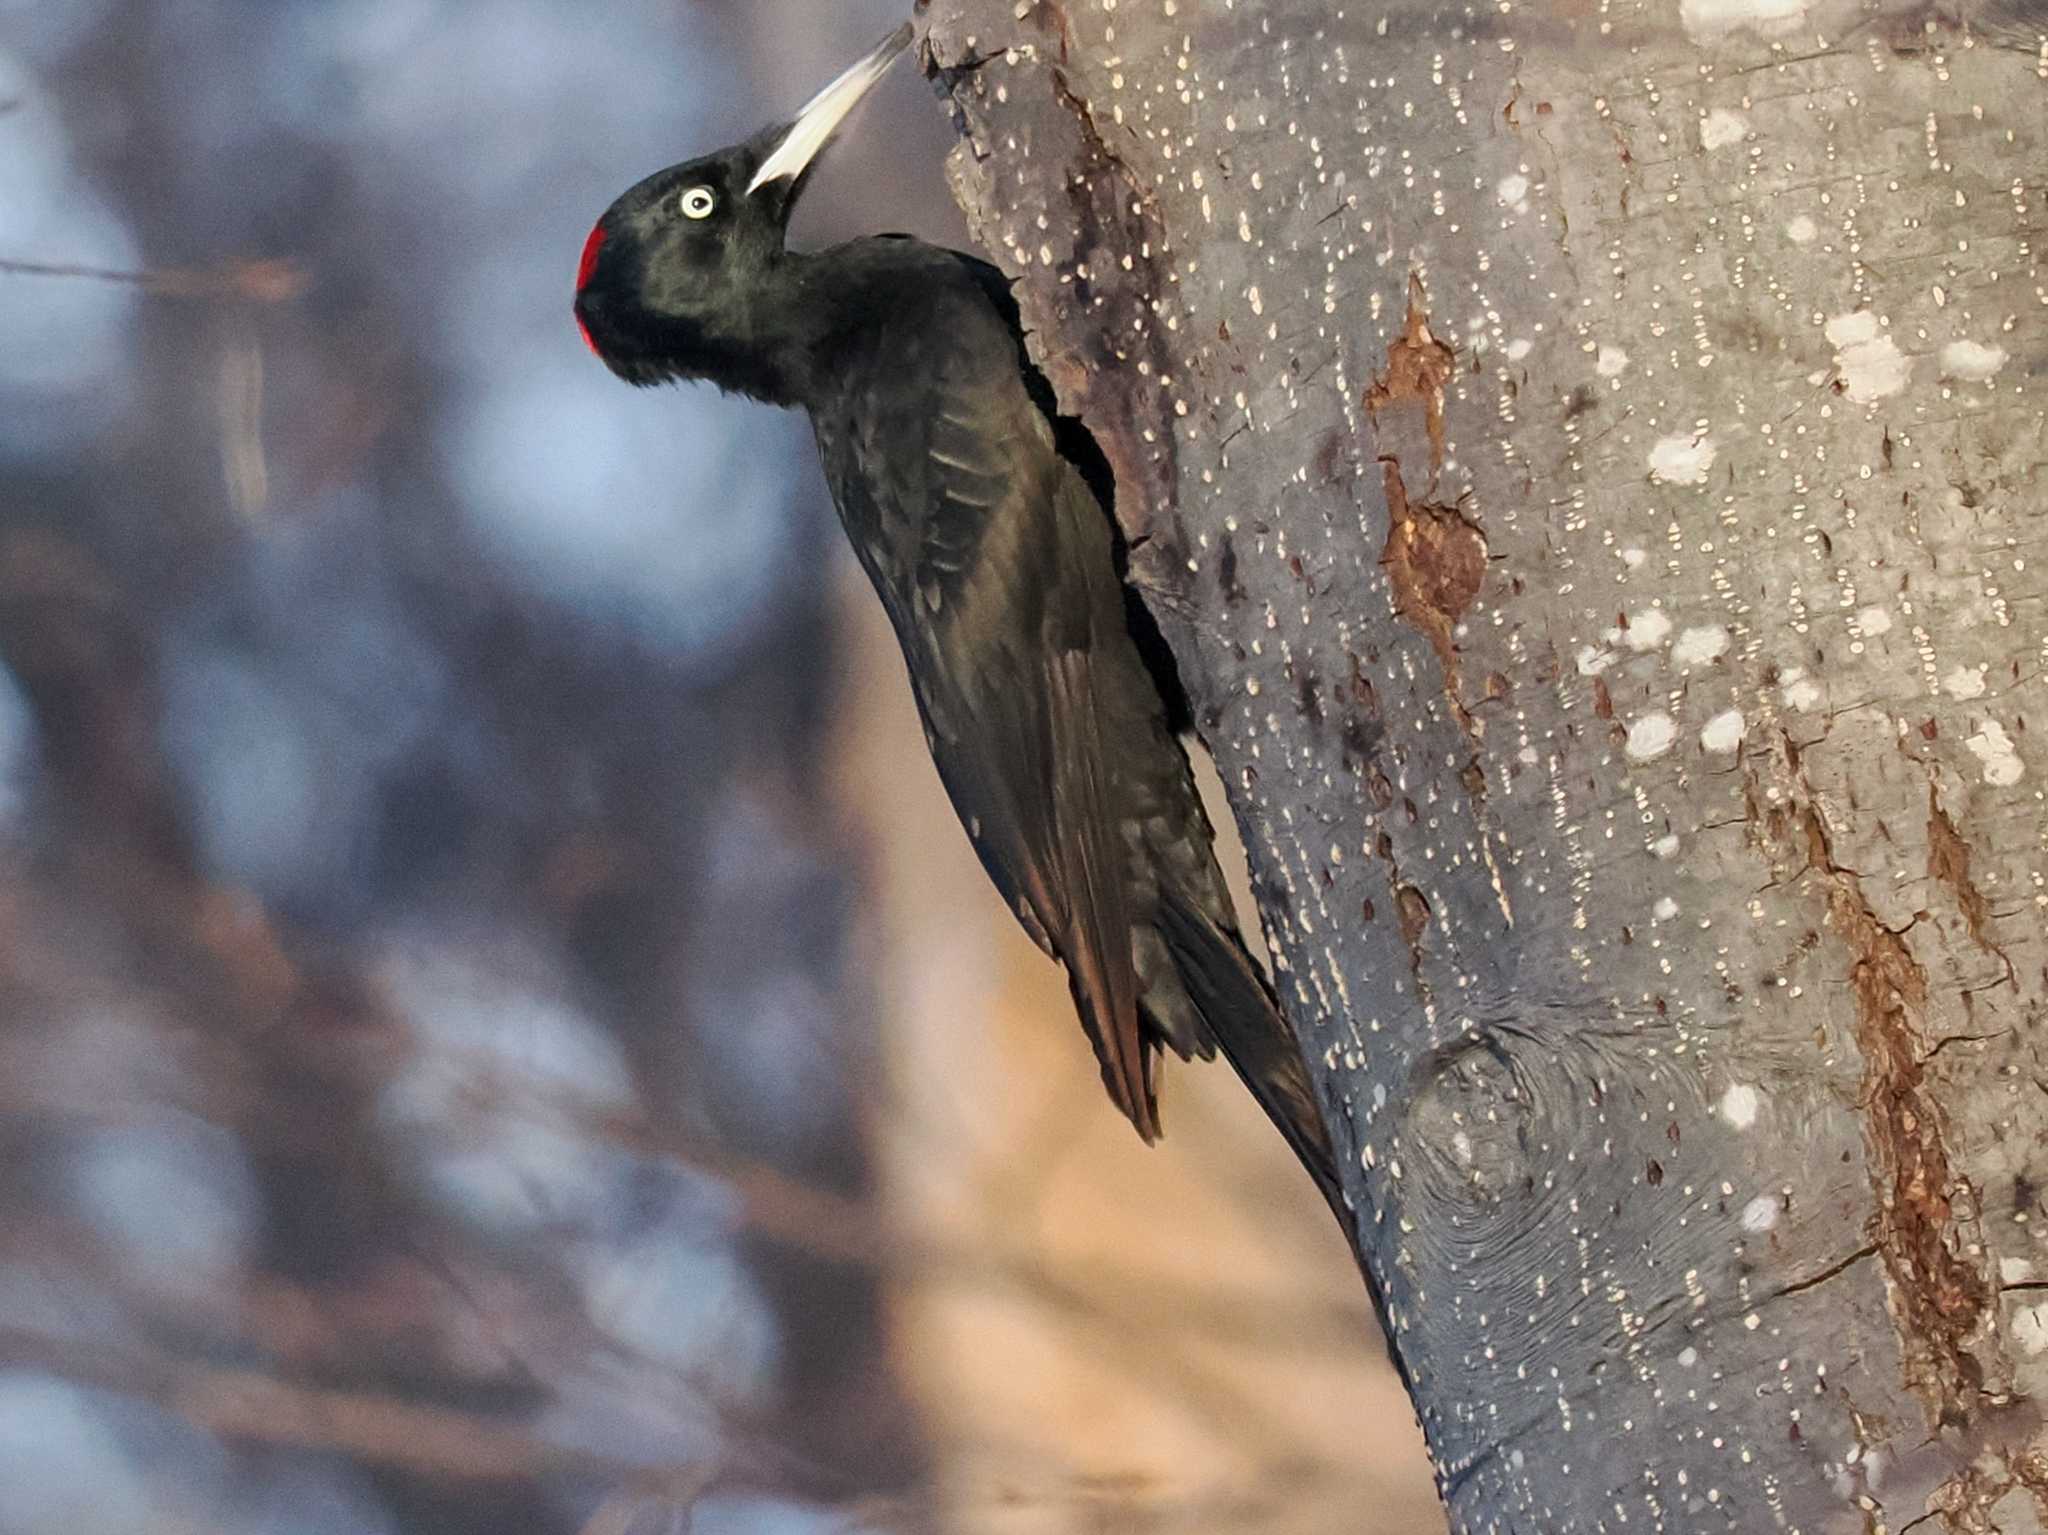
x,y
499,1029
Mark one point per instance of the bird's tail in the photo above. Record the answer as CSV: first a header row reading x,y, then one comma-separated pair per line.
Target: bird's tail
x,y
1242,1017
1238,1006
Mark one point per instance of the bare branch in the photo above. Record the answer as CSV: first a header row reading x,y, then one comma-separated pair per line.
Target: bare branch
x,y
261,280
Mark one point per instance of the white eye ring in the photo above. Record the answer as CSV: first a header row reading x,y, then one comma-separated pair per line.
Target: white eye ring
x,y
698,203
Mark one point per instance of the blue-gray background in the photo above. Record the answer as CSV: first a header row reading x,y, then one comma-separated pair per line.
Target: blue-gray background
x,y
413,880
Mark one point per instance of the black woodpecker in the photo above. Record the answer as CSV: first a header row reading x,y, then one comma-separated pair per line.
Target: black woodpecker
x,y
999,567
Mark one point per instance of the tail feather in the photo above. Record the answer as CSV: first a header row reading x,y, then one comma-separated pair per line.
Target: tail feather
x,y
1239,1010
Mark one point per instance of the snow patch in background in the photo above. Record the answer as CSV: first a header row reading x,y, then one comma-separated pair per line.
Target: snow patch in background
x,y
284,725
79,1461
497,1109
679,1295
669,512
63,340
176,1202
63,1466
266,778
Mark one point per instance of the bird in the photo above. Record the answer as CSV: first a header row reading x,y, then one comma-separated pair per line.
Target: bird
x,y
982,518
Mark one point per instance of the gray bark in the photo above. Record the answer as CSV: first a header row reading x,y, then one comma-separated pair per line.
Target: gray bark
x,y
1588,460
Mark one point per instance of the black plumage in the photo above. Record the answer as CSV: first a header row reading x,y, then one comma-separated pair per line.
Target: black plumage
x,y
998,566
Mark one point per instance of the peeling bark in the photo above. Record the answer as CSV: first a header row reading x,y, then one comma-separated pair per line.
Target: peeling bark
x,y
1418,368
1436,560
1939,1290
1588,464
1948,861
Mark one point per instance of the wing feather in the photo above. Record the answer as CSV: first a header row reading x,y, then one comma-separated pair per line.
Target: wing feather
x,y
984,547
1090,850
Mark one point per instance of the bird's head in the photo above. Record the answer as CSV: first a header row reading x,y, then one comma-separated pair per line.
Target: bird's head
x,y
676,279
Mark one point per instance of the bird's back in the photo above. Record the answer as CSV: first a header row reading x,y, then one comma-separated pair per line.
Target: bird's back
x,y
998,566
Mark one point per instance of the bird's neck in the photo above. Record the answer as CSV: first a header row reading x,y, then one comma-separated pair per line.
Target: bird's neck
x,y
807,310
777,358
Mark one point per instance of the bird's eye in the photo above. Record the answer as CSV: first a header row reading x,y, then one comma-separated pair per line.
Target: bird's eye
x,y
698,203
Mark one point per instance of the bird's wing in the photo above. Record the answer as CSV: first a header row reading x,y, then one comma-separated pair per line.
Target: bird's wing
x,y
1010,576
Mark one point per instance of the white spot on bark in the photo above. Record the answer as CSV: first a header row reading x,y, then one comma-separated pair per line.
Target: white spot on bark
x,y
1651,736
1870,365
1682,460
1633,557
1965,682
1724,732
1610,361
1971,361
2030,1328
1514,191
1519,348
1995,750
1800,691
1801,230
1739,1105
1721,127
1593,660
1700,644
1665,909
1760,1214
1688,1357
1874,621
1648,629
1666,846
1708,21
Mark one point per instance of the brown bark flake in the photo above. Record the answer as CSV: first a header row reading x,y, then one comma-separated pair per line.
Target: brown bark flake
x,y
1938,1296
1435,557
1418,367
1948,865
1414,909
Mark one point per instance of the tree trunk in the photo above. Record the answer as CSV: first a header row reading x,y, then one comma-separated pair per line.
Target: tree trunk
x,y
1589,464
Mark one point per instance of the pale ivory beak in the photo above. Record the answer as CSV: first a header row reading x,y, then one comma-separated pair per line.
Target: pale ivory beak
x,y
821,117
